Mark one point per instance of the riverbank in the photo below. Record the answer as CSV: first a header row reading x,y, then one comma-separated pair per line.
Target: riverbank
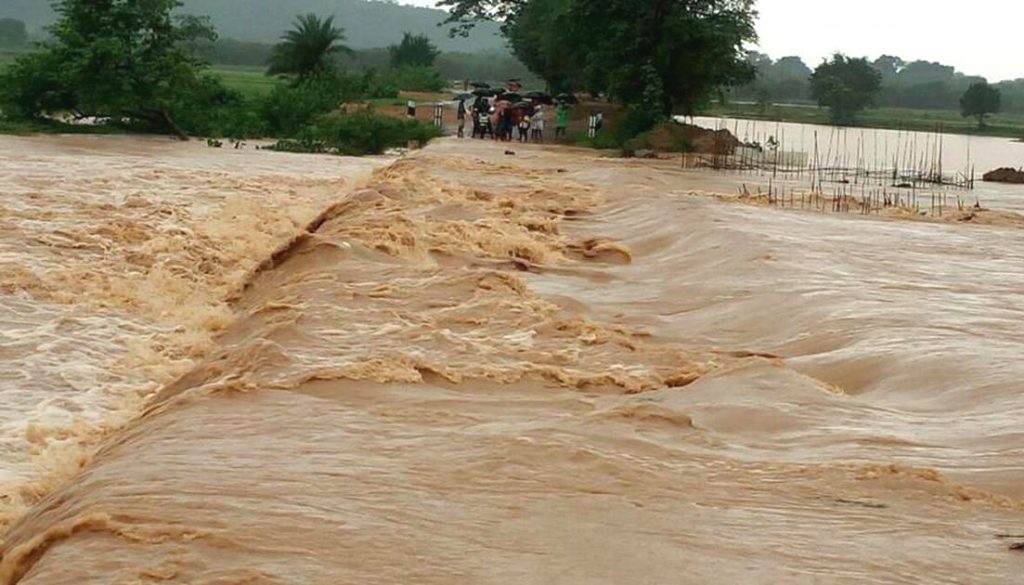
x,y
471,367
1004,125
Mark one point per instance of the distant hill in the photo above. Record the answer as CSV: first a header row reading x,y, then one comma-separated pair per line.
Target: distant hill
x,y
367,23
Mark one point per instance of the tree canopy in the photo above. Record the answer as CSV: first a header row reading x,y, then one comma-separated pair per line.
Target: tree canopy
x,y
889,66
980,100
845,86
669,55
783,80
122,59
905,84
413,51
12,33
308,48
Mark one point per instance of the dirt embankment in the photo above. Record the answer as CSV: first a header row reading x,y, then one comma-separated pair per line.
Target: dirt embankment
x,y
676,137
1005,175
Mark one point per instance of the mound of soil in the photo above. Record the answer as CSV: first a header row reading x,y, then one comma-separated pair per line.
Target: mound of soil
x,y
676,137
1005,175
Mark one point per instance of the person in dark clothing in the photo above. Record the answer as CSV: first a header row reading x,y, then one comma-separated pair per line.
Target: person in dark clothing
x,y
508,124
480,111
462,118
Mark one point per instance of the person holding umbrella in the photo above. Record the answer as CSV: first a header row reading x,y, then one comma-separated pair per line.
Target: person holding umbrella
x,y
481,109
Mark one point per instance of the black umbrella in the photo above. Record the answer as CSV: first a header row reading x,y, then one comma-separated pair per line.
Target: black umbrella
x,y
485,92
540,97
510,97
568,98
461,97
480,85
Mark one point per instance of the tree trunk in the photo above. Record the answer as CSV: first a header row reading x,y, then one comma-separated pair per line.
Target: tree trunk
x,y
169,123
668,106
162,119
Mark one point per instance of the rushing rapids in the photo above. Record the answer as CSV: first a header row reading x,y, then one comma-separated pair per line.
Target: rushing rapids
x,y
472,367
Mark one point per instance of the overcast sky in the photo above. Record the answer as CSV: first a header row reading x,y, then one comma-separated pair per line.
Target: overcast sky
x,y
978,37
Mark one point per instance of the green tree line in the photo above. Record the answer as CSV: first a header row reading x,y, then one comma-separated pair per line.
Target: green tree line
x,y
13,33
490,66
923,85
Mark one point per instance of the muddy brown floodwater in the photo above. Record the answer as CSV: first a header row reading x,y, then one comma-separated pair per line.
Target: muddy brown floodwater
x,y
472,367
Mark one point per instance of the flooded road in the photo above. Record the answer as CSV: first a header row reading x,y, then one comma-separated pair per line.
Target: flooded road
x,y
117,256
546,367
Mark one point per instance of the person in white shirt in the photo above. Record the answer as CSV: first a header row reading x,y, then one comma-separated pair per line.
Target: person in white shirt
x,y
537,127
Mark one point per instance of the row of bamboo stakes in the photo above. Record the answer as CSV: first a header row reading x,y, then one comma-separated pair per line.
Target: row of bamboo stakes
x,y
844,199
905,173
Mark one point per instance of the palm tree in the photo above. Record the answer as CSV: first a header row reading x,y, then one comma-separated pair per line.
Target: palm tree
x,y
307,49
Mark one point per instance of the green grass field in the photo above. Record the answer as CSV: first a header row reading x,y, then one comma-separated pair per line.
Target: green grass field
x,y
249,81
1008,125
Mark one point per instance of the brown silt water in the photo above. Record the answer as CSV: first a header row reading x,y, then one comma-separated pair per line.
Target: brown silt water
x,y
463,366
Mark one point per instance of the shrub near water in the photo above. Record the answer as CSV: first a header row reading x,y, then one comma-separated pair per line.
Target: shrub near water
x,y
290,108
633,122
415,78
214,110
357,134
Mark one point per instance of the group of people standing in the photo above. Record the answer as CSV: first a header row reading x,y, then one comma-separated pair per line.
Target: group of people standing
x,y
500,119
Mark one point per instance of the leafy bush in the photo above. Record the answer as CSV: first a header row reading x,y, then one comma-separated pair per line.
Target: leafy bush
x,y
632,123
377,86
30,87
214,110
200,106
626,128
290,108
412,78
359,133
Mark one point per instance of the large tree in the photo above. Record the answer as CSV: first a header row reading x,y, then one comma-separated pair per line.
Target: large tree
x,y
889,66
12,33
413,51
309,48
845,86
791,68
980,100
673,52
122,59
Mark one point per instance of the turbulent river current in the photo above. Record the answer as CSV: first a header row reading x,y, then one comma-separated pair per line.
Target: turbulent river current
x,y
469,366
